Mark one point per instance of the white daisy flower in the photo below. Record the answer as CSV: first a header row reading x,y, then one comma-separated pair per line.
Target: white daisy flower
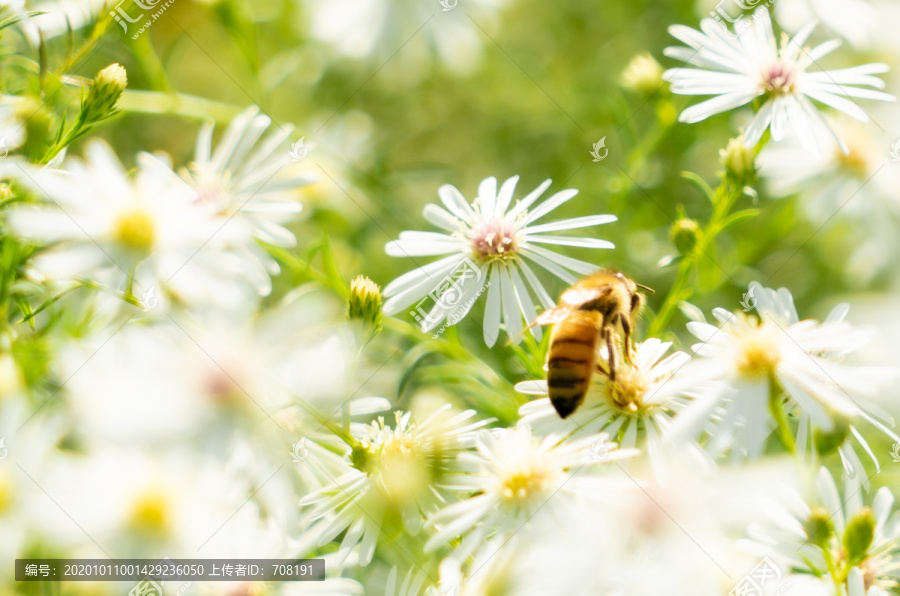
x,y
856,545
249,177
752,359
391,471
512,475
489,245
635,409
135,233
737,70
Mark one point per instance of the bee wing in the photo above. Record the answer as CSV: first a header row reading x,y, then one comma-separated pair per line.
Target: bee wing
x,y
579,296
548,317
552,316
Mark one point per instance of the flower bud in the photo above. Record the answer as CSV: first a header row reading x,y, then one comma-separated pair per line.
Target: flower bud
x,y
740,162
38,124
5,191
365,303
362,458
643,74
827,442
684,234
819,527
100,100
859,534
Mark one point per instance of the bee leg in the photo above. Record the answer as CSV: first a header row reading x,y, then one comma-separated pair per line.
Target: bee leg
x,y
612,355
626,331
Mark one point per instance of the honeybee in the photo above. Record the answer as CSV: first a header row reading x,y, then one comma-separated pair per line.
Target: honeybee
x,y
592,310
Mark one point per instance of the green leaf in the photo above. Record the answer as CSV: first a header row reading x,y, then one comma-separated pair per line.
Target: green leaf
x,y
15,19
701,184
334,276
737,217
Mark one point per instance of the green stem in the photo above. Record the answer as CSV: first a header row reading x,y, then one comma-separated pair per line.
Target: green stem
x,y
723,200
775,407
345,436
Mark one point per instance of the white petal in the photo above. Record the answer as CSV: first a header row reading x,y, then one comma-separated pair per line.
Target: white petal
x,y
569,241
492,309
573,223
456,203
550,204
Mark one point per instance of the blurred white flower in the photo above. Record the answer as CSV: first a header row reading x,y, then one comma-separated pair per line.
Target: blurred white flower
x,y
497,240
512,475
853,20
12,129
490,572
330,586
412,585
855,545
635,410
376,29
55,17
136,233
753,359
739,69
673,537
103,219
141,503
26,23
857,186
393,471
206,378
249,178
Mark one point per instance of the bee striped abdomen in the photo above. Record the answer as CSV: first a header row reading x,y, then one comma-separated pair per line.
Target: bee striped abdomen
x,y
570,362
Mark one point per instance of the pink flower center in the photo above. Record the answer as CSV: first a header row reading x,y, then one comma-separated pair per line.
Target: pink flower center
x,y
779,78
494,239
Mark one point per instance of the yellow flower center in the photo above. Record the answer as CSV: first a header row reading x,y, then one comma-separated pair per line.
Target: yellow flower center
x,y
403,466
6,493
150,513
135,230
519,486
627,392
853,161
758,354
